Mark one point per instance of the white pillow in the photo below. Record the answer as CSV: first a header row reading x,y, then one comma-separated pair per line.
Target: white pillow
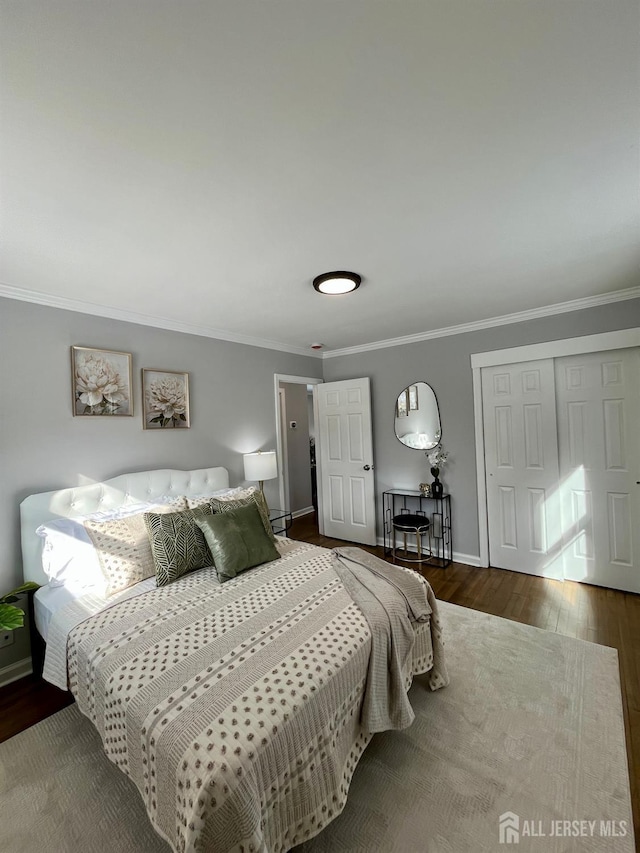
x,y
228,494
69,557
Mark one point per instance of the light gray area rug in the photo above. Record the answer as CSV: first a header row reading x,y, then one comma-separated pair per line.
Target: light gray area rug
x,y
531,724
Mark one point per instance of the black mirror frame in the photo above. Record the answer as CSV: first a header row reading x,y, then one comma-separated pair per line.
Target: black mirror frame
x,y
435,396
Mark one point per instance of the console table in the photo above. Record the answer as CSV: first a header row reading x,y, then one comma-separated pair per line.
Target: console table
x,y
436,510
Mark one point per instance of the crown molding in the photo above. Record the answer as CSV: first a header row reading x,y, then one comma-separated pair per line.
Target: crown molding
x,y
95,310
506,319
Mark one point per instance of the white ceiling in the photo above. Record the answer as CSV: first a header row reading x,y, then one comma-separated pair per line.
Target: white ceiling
x,y
201,162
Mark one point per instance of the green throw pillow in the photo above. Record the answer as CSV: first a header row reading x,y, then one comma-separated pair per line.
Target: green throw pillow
x,y
177,543
237,540
256,498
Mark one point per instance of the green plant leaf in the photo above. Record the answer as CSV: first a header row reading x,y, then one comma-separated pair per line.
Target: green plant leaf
x,y
10,597
10,617
26,587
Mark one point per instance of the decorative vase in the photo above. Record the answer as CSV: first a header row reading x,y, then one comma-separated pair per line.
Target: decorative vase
x,y
437,489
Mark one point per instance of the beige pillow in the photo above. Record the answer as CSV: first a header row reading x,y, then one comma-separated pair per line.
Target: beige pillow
x,y
222,495
123,546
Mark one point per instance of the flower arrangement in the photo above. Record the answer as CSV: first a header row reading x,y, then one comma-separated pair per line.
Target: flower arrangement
x,y
12,617
437,458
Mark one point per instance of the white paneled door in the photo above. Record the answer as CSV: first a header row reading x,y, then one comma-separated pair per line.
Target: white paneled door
x,y
562,457
346,460
598,403
521,461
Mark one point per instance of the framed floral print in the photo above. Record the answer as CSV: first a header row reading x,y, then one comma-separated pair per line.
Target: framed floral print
x,y
101,382
165,399
402,406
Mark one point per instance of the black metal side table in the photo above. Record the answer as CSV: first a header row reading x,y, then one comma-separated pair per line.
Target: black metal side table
x,y
281,521
437,515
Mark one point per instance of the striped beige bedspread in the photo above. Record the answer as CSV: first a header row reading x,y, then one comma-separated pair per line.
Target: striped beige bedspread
x,y
235,708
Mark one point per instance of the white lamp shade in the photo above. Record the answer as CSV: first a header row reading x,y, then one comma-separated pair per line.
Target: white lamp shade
x,y
261,465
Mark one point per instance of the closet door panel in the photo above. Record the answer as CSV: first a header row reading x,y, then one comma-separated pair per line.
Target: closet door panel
x,y
598,406
521,459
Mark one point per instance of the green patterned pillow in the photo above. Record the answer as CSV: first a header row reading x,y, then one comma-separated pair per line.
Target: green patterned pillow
x,y
177,543
237,540
255,497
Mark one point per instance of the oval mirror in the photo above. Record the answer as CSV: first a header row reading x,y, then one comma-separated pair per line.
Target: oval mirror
x,y
417,421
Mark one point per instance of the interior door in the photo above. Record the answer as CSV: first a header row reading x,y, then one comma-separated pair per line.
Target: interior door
x,y
345,459
521,460
598,403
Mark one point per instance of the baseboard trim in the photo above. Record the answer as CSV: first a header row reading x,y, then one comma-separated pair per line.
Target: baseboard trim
x,y
299,512
467,559
15,671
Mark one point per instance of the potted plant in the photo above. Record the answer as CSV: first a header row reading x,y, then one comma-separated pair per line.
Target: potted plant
x,y
437,459
13,617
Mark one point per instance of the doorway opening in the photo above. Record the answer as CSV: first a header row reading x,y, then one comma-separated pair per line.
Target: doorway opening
x,y
295,431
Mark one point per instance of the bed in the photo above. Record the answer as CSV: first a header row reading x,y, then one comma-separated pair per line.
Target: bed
x,y
235,707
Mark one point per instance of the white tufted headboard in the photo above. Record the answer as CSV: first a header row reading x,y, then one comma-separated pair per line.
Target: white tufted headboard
x,y
120,491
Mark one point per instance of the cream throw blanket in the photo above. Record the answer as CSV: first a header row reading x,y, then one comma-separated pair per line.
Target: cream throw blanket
x,y
392,600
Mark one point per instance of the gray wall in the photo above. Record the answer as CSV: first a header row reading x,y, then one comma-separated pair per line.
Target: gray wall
x,y
297,409
445,364
42,446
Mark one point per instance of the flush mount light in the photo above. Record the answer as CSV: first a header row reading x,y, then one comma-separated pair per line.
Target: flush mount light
x,y
337,282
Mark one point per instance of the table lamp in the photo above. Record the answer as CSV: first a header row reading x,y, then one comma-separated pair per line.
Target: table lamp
x,y
260,466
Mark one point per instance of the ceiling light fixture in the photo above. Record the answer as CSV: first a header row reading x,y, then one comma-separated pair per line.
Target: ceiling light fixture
x,y
337,282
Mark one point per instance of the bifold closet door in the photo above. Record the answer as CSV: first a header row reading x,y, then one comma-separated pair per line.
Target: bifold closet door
x,y
521,460
598,406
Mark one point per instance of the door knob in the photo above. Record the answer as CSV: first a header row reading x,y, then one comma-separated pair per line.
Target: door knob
x,y
368,467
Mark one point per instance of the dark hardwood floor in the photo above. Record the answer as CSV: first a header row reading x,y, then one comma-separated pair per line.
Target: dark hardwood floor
x,y
27,701
576,610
